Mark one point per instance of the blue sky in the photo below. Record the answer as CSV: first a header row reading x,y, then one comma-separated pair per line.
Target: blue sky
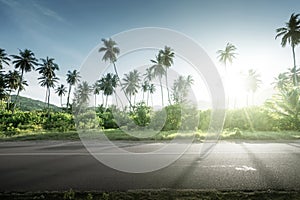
x,y
68,30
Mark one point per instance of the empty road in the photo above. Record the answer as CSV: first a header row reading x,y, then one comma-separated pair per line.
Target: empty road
x,y
58,165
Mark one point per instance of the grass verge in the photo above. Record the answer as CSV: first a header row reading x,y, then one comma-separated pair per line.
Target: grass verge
x,y
117,134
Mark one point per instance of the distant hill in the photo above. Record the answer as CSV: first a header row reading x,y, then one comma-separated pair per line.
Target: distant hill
x,y
28,104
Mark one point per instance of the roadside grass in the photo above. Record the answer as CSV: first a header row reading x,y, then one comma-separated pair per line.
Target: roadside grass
x,y
163,194
117,134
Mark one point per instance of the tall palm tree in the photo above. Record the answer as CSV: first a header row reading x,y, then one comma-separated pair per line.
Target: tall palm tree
x,y
107,84
167,56
253,82
151,90
12,78
4,59
3,86
131,83
48,77
291,34
110,54
25,62
96,91
227,55
73,77
158,70
144,88
61,91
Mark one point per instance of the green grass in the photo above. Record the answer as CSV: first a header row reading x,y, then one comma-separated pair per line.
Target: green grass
x,y
116,134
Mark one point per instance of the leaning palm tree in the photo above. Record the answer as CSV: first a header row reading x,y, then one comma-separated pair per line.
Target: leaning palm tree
x,y
4,59
25,62
158,71
227,55
144,88
180,88
73,77
61,91
82,94
110,54
167,56
291,34
12,79
131,83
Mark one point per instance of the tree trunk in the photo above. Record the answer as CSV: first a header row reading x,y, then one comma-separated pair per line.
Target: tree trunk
x,y
162,93
295,81
68,99
95,100
61,101
167,86
148,97
48,98
106,101
115,68
16,100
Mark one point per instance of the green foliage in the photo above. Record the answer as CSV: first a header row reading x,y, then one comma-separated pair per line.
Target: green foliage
x,y
141,114
28,104
69,195
87,120
58,121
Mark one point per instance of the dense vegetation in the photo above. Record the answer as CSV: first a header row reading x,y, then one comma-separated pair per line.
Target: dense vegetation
x,y
19,114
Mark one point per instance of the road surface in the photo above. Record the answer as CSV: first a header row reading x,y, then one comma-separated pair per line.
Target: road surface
x,y
57,165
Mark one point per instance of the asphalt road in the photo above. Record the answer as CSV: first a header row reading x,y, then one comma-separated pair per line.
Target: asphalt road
x,y
50,165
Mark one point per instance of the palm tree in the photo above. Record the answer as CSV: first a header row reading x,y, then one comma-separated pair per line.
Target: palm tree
x,y
96,91
82,94
73,77
151,90
61,91
158,70
131,83
227,55
144,88
3,58
25,62
3,86
167,56
110,54
180,88
107,84
48,78
253,82
12,79
291,34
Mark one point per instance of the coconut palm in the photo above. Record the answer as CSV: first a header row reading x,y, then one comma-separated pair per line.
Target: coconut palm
x,y
180,88
3,86
12,79
82,94
144,88
131,83
48,77
227,55
253,82
167,56
291,34
96,91
25,62
73,77
61,91
159,71
110,54
107,84
4,59
151,90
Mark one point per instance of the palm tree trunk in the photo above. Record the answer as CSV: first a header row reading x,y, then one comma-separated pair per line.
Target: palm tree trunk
x,y
68,99
147,97
106,101
166,76
95,100
295,73
16,100
162,94
48,98
115,68
61,101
